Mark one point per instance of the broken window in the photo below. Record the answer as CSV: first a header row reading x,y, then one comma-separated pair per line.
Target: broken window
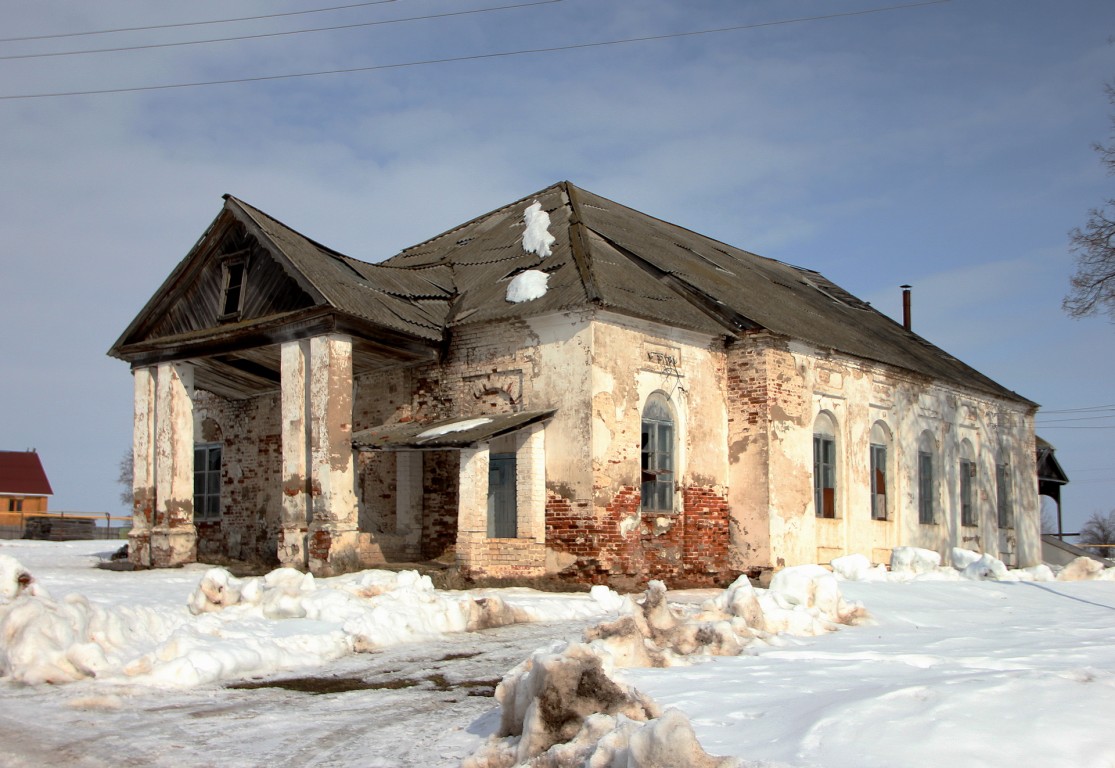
x,y
658,455
1002,493
927,496
207,481
233,297
824,466
878,479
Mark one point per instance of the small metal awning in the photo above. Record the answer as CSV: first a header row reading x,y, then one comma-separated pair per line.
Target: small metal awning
x,y
459,432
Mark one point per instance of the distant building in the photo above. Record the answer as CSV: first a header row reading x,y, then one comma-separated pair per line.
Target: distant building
x,y
23,484
564,386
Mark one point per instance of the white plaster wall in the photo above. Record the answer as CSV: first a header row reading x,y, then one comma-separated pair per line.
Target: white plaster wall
x,y
857,394
559,350
633,359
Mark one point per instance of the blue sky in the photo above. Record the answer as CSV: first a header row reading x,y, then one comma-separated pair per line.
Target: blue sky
x,y
946,145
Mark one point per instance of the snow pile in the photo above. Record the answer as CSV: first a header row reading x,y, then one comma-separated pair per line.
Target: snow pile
x,y
536,237
48,641
16,580
914,561
1086,569
231,627
527,285
565,706
806,600
857,567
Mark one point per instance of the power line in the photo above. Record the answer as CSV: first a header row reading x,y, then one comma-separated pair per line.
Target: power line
x,y
1079,410
191,23
274,34
1079,418
1043,426
473,57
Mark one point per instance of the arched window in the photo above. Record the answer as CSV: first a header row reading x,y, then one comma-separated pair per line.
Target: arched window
x,y
927,489
967,484
824,465
658,454
880,486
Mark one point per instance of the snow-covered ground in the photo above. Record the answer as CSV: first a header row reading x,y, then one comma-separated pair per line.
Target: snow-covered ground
x,y
946,672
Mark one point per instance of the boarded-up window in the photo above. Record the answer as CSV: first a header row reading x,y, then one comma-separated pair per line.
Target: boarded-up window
x,y
502,512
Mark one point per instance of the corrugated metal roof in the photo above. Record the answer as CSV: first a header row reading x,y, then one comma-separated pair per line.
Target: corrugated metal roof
x,y
460,432
607,255
386,296
22,474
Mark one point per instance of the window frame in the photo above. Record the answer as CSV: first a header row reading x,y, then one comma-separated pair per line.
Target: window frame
x,y
658,462
825,467
234,279
207,502
967,489
927,496
878,469
1004,507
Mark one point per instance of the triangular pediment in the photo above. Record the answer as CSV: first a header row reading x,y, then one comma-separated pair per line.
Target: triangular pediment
x,y
229,280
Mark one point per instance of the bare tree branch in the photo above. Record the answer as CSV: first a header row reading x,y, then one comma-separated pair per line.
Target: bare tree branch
x,y
1093,284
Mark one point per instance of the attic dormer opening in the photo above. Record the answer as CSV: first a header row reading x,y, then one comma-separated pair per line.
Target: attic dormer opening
x,y
234,268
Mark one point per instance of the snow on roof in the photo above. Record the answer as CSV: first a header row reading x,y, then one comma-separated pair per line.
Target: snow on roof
x,y
527,286
537,237
454,426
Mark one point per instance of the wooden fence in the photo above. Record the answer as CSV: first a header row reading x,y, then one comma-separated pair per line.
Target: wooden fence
x,y
63,526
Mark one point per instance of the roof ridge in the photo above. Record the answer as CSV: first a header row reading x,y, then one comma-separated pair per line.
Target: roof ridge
x,y
475,219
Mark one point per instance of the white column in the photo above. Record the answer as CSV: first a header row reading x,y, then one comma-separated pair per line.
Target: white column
x,y
408,499
296,503
173,535
143,467
530,484
472,506
334,524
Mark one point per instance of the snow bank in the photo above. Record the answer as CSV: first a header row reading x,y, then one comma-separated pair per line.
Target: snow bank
x,y
536,237
914,560
566,707
857,567
1086,569
16,580
231,627
527,285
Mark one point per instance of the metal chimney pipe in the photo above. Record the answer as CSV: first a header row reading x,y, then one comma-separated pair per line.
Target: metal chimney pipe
x,y
906,307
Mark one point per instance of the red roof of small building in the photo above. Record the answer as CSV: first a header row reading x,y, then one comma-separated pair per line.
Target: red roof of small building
x,y
21,474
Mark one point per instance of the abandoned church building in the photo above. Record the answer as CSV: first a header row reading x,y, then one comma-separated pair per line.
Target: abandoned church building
x,y
564,387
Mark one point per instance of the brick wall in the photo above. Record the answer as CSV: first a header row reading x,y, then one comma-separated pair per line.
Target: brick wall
x,y
625,547
251,463
439,502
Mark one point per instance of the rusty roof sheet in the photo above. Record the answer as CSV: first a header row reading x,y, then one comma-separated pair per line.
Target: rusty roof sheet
x,y
458,432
